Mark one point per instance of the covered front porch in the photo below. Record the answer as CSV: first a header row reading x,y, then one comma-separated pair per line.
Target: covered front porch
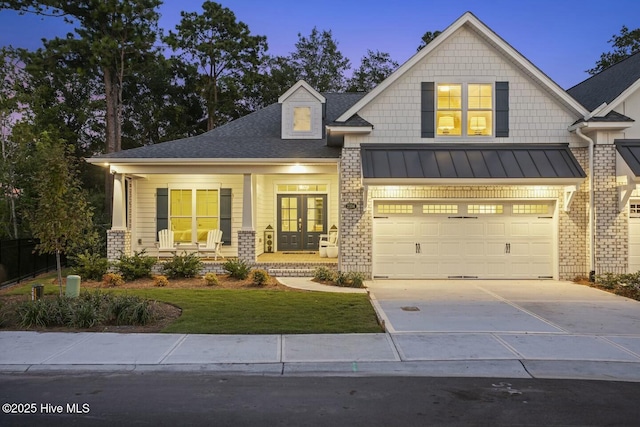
x,y
272,218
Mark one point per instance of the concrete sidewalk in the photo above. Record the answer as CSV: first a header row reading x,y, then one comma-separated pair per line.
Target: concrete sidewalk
x,y
501,329
450,355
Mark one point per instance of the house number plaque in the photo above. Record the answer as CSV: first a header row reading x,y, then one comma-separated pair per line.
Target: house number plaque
x,y
350,206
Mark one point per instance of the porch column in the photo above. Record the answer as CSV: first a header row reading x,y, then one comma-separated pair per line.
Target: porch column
x,y
247,202
247,234
118,237
118,221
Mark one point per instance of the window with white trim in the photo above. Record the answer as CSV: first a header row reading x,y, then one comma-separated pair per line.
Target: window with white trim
x,y
464,109
192,213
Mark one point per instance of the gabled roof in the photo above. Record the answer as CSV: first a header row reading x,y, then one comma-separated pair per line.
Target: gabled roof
x,y
254,136
610,86
301,84
469,19
612,117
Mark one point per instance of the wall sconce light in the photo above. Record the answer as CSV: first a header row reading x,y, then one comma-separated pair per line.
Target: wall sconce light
x,y
445,124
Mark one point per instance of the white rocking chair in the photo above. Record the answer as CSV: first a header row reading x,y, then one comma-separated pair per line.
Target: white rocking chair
x,y
213,245
328,245
165,242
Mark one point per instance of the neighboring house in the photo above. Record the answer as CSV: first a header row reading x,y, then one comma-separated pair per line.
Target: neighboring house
x,y
468,161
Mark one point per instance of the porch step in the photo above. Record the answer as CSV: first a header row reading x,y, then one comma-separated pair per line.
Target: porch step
x,y
291,272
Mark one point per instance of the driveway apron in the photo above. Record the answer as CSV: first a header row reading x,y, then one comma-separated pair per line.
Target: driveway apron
x,y
506,319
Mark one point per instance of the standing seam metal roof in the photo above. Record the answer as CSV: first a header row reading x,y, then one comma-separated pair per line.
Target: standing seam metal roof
x,y
469,161
629,149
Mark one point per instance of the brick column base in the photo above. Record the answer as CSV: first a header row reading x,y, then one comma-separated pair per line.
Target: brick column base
x,y
118,242
247,246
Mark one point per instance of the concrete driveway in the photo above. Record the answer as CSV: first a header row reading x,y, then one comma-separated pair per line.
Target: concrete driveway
x,y
507,319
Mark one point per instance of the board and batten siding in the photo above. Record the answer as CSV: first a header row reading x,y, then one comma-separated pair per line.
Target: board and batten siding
x,y
535,116
144,210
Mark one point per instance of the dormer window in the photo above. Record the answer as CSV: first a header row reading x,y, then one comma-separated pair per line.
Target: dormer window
x,y
464,109
301,112
301,119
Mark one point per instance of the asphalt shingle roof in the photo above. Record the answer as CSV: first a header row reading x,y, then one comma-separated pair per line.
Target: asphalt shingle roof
x,y
254,136
608,84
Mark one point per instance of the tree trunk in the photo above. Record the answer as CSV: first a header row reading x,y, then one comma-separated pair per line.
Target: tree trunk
x,y
59,269
112,134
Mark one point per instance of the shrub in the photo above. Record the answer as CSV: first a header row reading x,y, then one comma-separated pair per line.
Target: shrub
x,y
136,266
211,279
129,310
34,313
59,311
160,280
185,265
608,280
112,279
237,268
324,274
85,313
260,277
90,266
3,314
352,279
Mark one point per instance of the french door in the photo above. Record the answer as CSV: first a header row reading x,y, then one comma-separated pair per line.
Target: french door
x,y
302,218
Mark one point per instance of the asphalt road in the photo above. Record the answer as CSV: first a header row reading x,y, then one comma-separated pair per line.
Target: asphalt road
x,y
216,400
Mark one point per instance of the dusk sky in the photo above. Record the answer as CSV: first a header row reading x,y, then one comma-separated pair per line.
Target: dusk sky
x,y
561,37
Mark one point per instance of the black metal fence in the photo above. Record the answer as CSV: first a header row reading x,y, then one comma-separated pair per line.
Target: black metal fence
x,y
19,260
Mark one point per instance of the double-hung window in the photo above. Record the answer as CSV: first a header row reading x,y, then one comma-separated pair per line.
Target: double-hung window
x,y
464,109
192,213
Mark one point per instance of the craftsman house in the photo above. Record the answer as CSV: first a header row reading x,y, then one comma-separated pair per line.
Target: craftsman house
x,y
467,162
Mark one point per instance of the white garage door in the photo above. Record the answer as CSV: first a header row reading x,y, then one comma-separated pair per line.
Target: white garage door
x,y
463,240
634,236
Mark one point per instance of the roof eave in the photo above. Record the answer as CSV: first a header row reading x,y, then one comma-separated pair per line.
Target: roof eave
x,y
595,126
474,181
105,162
350,129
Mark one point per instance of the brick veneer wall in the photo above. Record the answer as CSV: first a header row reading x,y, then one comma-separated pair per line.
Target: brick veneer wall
x,y
356,227
355,232
612,238
247,246
118,242
573,228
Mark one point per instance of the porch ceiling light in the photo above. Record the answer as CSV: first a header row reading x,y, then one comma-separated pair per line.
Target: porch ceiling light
x,y
298,168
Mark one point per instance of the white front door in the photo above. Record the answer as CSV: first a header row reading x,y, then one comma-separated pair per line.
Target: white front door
x,y
463,240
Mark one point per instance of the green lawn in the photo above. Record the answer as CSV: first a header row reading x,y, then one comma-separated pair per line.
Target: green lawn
x,y
230,311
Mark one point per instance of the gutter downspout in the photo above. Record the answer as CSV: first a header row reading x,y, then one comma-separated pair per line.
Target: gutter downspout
x,y
592,216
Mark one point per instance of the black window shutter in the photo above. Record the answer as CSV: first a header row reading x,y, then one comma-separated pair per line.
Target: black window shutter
x,y
427,113
225,215
502,109
162,209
